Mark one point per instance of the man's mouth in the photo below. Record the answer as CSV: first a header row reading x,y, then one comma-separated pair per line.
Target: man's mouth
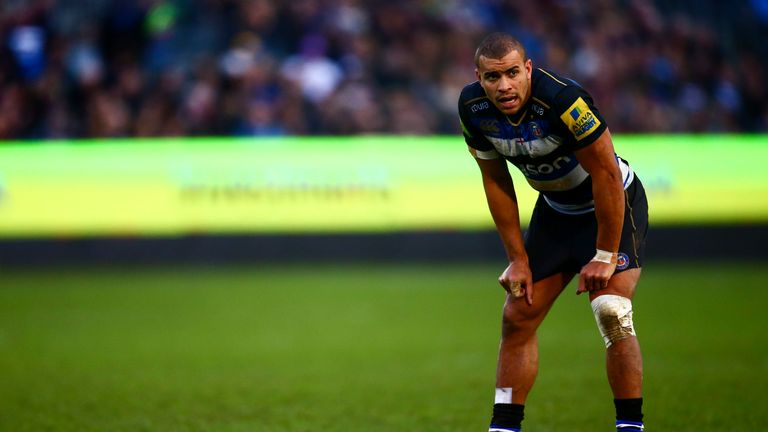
x,y
508,101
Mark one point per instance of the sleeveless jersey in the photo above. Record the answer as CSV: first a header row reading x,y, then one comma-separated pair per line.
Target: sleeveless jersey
x,y
540,140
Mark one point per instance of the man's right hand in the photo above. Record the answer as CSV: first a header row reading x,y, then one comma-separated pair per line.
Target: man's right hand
x,y
517,280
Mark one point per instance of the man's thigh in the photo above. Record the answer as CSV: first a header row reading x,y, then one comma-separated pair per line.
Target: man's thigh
x,y
545,292
621,284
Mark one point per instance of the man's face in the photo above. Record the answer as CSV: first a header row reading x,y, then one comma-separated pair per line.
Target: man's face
x,y
506,81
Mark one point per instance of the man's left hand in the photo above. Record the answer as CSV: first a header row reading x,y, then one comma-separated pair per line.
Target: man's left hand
x,y
594,276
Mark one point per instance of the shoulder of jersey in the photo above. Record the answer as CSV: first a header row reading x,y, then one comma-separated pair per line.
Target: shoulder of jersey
x,y
472,93
548,85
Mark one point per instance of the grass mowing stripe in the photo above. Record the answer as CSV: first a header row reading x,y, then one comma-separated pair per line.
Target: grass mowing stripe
x,y
340,348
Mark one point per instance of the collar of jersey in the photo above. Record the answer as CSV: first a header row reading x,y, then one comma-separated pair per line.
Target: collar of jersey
x,y
520,118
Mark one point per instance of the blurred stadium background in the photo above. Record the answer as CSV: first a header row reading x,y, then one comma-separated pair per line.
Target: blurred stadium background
x,y
238,214
101,100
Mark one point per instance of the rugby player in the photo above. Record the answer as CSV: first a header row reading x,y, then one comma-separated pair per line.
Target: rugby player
x,y
590,219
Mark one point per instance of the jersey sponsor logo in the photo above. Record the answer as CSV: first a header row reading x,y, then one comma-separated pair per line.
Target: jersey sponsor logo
x,y
580,119
575,113
566,178
622,261
479,106
545,168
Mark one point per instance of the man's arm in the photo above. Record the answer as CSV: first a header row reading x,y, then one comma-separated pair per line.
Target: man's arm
x,y
502,202
599,160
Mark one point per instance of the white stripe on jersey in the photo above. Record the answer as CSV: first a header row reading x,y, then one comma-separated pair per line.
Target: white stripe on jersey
x,y
627,176
569,181
629,425
535,148
487,154
571,209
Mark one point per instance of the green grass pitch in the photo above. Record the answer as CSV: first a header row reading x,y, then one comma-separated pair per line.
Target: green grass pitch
x,y
343,348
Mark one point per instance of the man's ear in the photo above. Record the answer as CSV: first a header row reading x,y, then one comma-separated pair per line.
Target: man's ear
x,y
477,74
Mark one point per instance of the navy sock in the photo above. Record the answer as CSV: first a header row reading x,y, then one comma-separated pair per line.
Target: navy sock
x,y
629,414
507,417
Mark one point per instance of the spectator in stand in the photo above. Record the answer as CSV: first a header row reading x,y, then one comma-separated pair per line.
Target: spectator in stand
x,y
117,68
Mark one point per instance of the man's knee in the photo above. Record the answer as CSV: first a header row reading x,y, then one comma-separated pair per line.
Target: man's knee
x,y
518,319
613,314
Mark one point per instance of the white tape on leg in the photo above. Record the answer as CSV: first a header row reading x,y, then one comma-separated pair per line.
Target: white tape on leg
x,y
503,395
614,317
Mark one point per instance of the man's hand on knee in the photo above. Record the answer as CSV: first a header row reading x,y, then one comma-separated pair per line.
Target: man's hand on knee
x,y
517,280
595,274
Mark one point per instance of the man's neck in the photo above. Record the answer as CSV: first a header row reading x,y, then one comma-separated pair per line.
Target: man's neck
x,y
518,116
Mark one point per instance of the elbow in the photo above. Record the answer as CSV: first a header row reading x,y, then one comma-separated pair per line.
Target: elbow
x,y
608,179
616,177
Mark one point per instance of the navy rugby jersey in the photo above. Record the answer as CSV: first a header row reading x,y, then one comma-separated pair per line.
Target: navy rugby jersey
x,y
541,138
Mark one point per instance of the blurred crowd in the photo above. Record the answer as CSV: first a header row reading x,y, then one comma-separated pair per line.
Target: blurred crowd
x,y
117,68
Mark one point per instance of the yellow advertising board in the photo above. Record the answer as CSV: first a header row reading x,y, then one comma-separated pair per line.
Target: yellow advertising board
x,y
171,187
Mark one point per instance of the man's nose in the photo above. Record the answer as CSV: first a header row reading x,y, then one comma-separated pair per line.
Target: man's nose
x,y
505,84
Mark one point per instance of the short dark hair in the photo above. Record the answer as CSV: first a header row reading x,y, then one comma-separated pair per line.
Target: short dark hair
x,y
497,45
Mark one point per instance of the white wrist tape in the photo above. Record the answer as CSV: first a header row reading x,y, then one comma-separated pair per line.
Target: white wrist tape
x,y
606,257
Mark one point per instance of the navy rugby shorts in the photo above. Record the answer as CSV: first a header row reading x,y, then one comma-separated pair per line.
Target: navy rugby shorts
x,y
558,242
